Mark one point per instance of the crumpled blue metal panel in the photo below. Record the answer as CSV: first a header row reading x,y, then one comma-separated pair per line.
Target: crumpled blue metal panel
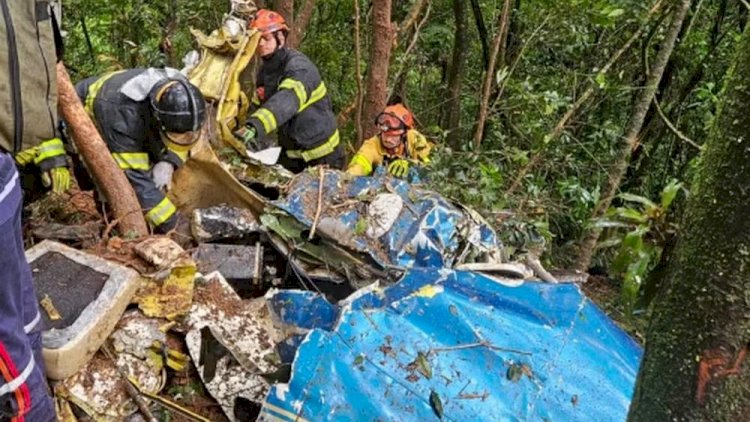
x,y
428,232
462,342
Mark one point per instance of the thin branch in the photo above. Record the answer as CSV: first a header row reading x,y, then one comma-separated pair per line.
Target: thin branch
x,y
410,47
484,343
499,40
411,19
672,127
513,67
320,203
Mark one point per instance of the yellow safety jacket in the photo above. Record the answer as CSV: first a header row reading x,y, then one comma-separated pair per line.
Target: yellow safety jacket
x,y
373,154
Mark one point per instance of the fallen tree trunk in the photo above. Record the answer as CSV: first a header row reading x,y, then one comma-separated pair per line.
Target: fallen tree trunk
x,y
108,176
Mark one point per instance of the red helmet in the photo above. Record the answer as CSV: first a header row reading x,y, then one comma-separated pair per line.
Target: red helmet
x,y
268,22
394,118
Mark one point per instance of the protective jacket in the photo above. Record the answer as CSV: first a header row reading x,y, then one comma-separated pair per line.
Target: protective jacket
x,y
373,154
23,385
28,98
296,103
120,105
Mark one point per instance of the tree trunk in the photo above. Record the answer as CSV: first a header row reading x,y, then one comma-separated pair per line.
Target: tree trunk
x,y
489,78
380,55
301,22
286,9
694,367
630,136
452,122
482,29
108,176
358,74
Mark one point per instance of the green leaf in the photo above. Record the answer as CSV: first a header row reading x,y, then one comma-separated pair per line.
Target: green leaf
x,y
609,243
669,193
423,365
605,224
631,214
436,404
361,227
615,13
637,198
515,372
601,80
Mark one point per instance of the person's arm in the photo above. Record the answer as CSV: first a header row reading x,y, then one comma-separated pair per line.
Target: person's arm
x,y
366,159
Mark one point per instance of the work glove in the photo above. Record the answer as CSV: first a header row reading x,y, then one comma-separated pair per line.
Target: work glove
x,y
58,178
50,157
162,174
399,168
27,156
247,135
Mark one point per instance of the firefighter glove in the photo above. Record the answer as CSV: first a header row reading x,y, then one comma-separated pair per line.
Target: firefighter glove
x,y
58,178
27,156
399,168
247,134
162,174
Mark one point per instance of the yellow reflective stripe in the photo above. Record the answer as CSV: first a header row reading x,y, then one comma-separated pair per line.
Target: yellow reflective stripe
x,y
132,160
267,119
363,162
315,96
317,152
298,89
161,213
94,90
49,149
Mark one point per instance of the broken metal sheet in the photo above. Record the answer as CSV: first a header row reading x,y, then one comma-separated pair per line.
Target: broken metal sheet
x,y
455,345
172,297
222,223
241,337
232,261
429,231
100,391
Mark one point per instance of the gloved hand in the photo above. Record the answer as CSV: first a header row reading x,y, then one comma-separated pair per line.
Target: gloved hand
x,y
247,134
27,156
58,178
162,174
399,168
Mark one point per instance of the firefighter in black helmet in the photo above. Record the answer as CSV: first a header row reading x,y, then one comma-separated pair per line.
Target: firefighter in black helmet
x,y
147,116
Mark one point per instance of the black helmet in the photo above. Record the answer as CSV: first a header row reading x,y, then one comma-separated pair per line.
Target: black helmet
x,y
178,105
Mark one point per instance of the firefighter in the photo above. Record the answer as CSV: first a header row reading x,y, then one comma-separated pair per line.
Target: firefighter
x,y
146,116
397,146
28,137
30,95
292,100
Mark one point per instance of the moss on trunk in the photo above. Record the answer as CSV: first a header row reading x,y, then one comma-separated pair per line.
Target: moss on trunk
x,y
695,367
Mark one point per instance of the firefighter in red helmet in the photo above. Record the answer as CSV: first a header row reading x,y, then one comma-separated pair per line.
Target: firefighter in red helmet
x,y
397,145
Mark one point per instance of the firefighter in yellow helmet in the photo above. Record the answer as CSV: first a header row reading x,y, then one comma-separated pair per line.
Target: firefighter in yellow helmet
x,y
398,145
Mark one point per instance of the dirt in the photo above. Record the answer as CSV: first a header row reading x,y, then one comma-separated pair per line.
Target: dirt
x,y
70,285
211,293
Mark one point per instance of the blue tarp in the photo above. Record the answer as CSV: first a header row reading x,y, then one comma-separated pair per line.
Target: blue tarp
x,y
457,346
429,231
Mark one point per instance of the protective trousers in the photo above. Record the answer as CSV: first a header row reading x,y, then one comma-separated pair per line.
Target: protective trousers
x,y
24,394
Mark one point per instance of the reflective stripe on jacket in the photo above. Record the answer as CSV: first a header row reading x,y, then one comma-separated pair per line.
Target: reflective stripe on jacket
x,y
296,103
29,97
372,153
